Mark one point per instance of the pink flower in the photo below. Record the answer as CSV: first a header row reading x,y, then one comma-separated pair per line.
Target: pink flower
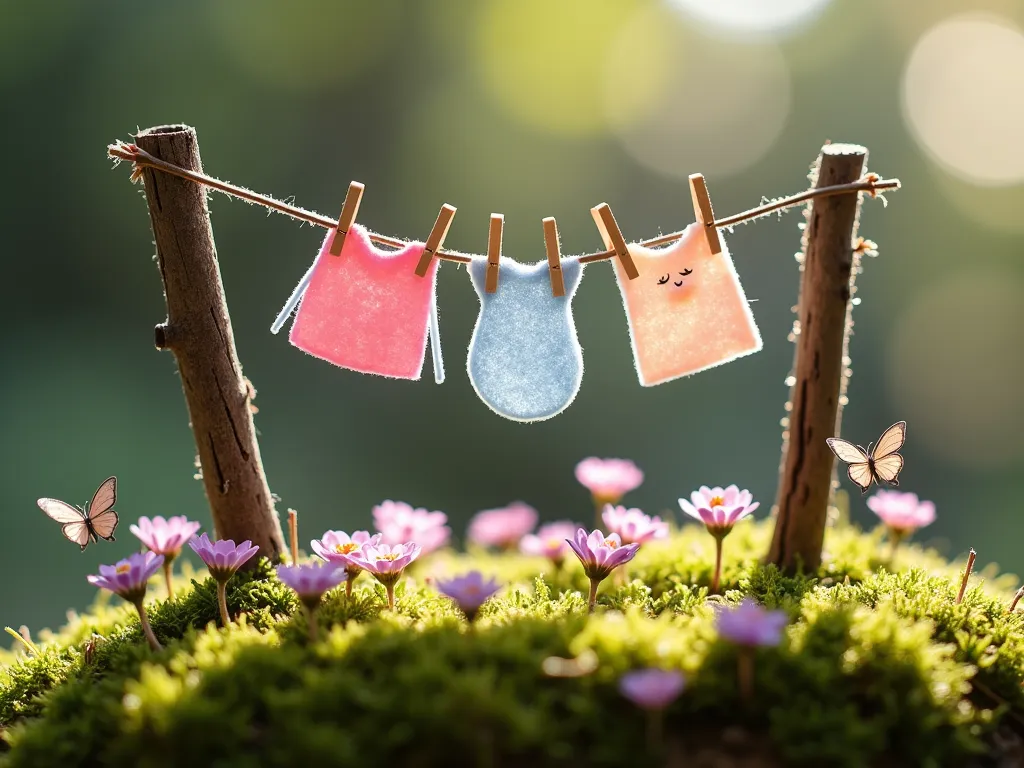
x,y
749,624
719,508
608,480
399,523
632,525
386,563
600,556
652,688
550,541
337,546
165,537
502,527
903,513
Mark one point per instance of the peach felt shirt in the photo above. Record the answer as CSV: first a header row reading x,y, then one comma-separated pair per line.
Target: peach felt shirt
x,y
686,310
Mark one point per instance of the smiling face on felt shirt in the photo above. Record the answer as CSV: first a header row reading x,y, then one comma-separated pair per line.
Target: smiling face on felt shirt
x,y
686,310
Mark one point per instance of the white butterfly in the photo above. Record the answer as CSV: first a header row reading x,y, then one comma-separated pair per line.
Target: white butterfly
x,y
879,463
82,526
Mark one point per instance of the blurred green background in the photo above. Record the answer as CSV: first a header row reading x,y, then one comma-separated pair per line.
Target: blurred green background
x,y
530,108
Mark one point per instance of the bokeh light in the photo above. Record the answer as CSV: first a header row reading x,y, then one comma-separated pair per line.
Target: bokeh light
x,y
542,61
304,45
754,16
996,207
722,105
963,98
956,365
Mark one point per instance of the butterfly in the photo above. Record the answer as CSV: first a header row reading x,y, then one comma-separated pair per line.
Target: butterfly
x,y
97,521
879,463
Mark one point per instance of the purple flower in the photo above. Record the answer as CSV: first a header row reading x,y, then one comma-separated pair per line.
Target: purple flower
x,y
600,555
652,688
719,508
550,541
165,537
502,527
128,578
399,523
608,480
903,513
751,625
311,581
224,557
469,592
633,526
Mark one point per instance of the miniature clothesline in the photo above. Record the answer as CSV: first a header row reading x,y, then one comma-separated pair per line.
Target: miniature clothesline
x,y
871,183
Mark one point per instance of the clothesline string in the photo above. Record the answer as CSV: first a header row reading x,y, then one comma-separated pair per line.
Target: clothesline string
x,y
139,158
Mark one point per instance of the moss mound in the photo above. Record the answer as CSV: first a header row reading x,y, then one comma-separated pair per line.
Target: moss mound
x,y
879,667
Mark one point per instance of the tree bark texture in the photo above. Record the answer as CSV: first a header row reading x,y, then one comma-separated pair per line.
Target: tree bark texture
x,y
825,292
198,332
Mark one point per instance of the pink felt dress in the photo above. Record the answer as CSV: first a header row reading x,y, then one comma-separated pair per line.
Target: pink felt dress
x,y
366,309
686,311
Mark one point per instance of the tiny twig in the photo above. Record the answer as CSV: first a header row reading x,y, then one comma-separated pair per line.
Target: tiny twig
x,y
293,534
871,184
1016,599
967,575
26,641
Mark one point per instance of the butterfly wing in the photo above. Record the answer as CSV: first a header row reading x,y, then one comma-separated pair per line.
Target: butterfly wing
x,y
61,511
104,498
861,475
888,468
103,524
77,531
847,451
890,441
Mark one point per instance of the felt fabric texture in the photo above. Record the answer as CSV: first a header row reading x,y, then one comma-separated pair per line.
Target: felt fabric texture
x,y
686,311
525,361
366,309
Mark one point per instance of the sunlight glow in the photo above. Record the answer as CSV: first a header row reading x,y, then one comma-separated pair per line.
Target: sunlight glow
x,y
754,15
963,98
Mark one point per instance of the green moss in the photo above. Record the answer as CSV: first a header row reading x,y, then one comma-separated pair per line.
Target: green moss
x,y
880,666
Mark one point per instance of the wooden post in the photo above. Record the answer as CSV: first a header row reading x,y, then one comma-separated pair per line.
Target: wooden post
x,y
198,332
825,291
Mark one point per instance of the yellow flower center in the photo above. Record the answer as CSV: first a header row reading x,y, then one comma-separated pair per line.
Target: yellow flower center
x,y
554,542
123,568
717,501
344,549
392,556
612,543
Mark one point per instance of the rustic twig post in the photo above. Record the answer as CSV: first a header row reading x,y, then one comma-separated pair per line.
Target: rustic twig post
x,y
198,332
825,291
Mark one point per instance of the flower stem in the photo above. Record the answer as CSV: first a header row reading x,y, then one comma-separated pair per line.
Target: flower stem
x,y
146,629
895,537
716,579
593,595
168,562
311,622
1016,599
391,596
348,586
655,730
746,674
222,602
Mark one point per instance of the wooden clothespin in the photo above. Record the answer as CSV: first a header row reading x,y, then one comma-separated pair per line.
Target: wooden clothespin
x,y
493,252
554,257
436,238
349,209
613,239
704,212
